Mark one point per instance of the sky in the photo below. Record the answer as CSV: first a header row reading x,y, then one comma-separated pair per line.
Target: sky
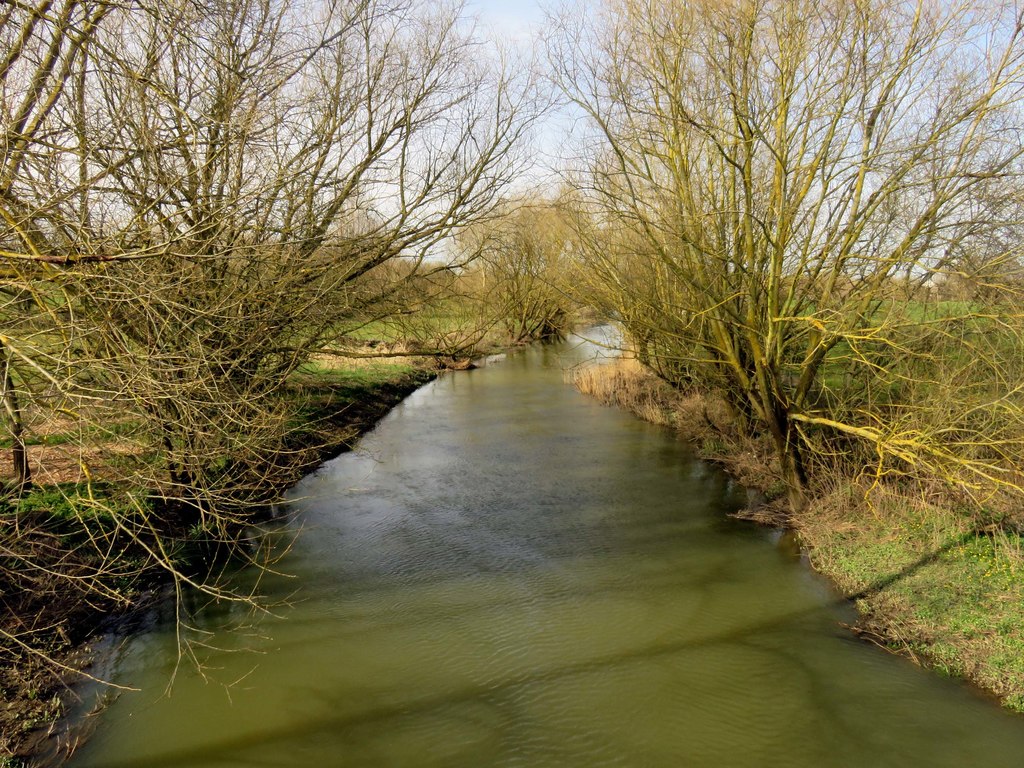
x,y
518,21
508,17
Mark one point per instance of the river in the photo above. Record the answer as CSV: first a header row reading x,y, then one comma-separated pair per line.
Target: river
x,y
505,573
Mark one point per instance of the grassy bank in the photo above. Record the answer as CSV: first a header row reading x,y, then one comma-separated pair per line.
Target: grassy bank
x,y
47,624
933,581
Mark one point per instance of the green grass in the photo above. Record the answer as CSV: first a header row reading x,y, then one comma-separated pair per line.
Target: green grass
x,y
67,502
377,330
911,363
356,377
108,429
315,384
59,438
450,315
319,391
948,593
455,320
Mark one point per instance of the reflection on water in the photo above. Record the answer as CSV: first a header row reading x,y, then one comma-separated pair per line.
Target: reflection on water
x,y
507,574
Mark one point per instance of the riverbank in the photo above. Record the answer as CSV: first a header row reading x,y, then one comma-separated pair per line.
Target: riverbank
x,y
940,585
335,402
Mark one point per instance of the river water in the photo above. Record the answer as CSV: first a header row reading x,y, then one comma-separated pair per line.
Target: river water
x,y
507,574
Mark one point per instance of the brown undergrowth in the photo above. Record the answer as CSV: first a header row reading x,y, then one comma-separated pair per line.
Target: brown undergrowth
x,y
934,578
703,420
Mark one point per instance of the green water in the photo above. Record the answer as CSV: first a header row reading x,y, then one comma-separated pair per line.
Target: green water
x,y
507,574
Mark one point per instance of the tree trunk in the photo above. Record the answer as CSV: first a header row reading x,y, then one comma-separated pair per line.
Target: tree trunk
x,y
790,457
794,475
19,451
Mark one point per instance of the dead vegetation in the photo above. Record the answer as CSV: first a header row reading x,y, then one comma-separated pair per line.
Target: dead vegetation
x,y
624,382
702,419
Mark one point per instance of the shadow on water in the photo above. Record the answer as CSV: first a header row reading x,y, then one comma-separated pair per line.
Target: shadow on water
x,y
232,746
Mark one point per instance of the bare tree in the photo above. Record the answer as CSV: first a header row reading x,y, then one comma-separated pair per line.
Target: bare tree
x,y
779,182
216,180
266,161
526,253
196,197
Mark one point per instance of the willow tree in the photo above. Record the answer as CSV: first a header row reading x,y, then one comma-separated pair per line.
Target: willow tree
x,y
524,259
210,185
193,197
783,185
